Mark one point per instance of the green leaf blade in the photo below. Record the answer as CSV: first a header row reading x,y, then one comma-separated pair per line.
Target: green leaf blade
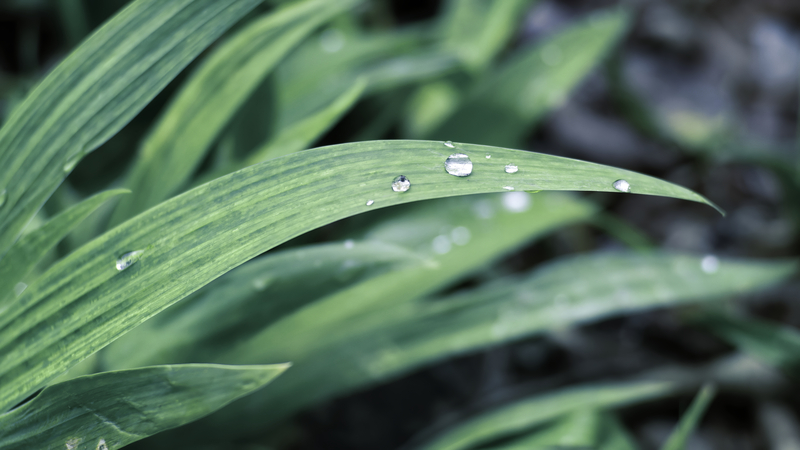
x,y
245,214
122,407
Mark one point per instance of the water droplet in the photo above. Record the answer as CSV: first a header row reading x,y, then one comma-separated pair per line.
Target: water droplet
x,y
19,288
450,144
622,186
511,168
508,188
101,445
260,284
516,202
551,55
69,165
331,40
370,202
483,209
441,244
488,156
460,235
128,259
401,184
458,164
348,244
3,195
709,264
72,443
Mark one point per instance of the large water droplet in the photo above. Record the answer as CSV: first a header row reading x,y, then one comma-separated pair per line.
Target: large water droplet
x,y
128,259
101,445
449,144
458,164
370,202
709,264
401,184
511,168
622,186
3,195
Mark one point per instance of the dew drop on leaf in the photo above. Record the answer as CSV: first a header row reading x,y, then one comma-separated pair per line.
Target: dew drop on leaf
x,y
101,445
401,184
370,202
511,168
458,164
488,156
508,188
622,186
449,144
128,259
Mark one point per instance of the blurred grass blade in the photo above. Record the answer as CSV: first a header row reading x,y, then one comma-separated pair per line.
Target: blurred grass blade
x,y
477,30
84,302
579,429
119,408
615,436
776,345
31,248
689,421
95,91
255,295
380,329
211,97
301,134
527,413
536,80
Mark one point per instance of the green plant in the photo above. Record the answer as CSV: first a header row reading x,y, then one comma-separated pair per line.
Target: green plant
x,y
363,310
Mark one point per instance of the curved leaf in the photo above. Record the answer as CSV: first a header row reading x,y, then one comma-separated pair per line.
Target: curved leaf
x,y
209,99
95,91
117,408
84,302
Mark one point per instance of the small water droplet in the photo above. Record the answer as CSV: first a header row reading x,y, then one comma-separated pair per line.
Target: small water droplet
x,y
622,186
69,165
348,244
370,202
450,144
709,264
101,445
488,156
460,235
511,168
19,288
508,188
331,40
441,244
458,164
516,202
401,184
3,195
260,284
72,443
128,259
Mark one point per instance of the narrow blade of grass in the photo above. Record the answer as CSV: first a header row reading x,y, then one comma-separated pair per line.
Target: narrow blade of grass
x,y
118,408
84,302
689,421
209,99
527,413
95,91
23,256
537,79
